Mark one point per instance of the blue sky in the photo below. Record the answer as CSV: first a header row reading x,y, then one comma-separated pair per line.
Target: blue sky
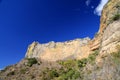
x,y
25,21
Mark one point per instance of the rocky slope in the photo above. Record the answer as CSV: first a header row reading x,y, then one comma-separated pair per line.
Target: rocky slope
x,y
79,59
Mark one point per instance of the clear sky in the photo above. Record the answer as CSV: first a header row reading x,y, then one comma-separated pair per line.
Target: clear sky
x,y
25,21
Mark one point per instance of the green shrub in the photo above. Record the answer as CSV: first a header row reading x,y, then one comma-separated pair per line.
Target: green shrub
x,y
71,74
31,61
76,75
116,55
68,71
11,73
53,73
49,74
68,63
82,62
92,57
116,17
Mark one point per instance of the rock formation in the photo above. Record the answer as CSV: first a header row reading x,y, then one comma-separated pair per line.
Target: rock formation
x,y
106,40
79,59
74,49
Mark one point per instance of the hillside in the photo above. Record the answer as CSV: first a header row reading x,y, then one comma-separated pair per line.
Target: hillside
x,y
79,59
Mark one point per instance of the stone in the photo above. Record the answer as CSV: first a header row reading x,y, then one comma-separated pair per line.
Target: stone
x,y
60,50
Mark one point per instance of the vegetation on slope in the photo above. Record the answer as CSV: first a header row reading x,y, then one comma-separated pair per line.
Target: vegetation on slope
x,y
116,17
71,69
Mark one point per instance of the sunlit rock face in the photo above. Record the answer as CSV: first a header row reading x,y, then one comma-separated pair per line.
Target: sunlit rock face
x,y
108,35
110,27
74,49
106,40
111,38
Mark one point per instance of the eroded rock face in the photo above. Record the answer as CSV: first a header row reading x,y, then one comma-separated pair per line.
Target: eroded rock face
x,y
110,27
52,51
108,37
111,38
109,32
110,9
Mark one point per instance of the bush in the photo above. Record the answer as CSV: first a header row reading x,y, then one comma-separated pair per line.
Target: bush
x,y
76,75
53,73
116,58
116,55
116,17
31,61
71,74
68,63
92,57
11,73
82,62
49,74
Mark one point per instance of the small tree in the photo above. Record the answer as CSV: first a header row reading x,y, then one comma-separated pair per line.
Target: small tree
x,y
32,61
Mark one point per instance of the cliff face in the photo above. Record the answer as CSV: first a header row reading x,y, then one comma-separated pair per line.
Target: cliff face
x,y
110,27
74,49
111,9
106,40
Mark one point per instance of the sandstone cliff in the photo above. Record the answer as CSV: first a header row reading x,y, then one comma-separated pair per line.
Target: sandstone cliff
x,y
106,40
109,28
74,49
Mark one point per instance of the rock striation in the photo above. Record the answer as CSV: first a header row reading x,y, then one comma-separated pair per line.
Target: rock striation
x,y
108,35
110,27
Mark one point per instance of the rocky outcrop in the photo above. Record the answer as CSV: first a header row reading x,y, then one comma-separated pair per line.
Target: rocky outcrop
x,y
111,38
108,37
110,9
110,27
109,33
106,40
74,49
